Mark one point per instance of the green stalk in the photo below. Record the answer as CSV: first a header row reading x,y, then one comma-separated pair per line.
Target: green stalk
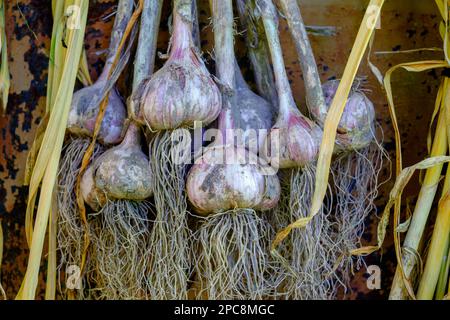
x,y
439,240
443,276
258,50
438,246
46,168
148,36
421,212
315,100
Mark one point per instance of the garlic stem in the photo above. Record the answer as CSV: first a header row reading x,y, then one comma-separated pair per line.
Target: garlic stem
x,y
148,36
132,136
258,50
182,29
222,12
286,100
123,15
315,100
195,26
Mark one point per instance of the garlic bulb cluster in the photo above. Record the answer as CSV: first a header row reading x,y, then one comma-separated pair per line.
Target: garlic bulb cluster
x,y
182,91
356,127
123,172
84,110
224,179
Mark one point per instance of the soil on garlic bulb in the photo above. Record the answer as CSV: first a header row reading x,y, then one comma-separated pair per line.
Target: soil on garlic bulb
x,y
121,179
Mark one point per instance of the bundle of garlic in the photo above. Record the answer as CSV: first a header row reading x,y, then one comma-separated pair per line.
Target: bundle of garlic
x,y
80,125
117,185
293,145
359,156
228,186
180,93
355,171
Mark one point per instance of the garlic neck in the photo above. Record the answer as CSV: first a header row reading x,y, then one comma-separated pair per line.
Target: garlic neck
x,y
132,136
182,29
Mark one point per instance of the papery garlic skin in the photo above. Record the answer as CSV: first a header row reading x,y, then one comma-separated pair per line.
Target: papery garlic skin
x,y
94,197
179,94
182,91
223,179
293,141
84,110
357,122
123,172
255,115
272,192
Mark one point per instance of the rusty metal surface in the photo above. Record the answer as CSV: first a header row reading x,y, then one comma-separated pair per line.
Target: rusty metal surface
x,y
404,25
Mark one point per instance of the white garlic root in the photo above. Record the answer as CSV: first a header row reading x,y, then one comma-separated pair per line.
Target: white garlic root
x,y
360,156
80,125
170,237
179,94
232,260
70,226
355,172
307,255
120,251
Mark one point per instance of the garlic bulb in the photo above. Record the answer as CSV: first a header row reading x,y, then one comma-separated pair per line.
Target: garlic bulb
x,y
255,114
224,179
122,172
86,102
294,139
356,126
84,110
182,91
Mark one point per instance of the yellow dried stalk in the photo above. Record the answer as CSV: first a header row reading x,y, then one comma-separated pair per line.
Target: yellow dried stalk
x,y
46,167
83,72
444,273
57,54
402,286
334,115
438,247
4,70
441,232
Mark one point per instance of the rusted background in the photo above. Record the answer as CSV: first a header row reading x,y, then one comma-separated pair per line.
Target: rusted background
x,y
404,25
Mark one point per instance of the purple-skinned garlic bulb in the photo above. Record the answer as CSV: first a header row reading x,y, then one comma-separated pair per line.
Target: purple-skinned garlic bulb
x,y
293,145
182,91
356,128
225,178
85,102
117,186
84,110
228,186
